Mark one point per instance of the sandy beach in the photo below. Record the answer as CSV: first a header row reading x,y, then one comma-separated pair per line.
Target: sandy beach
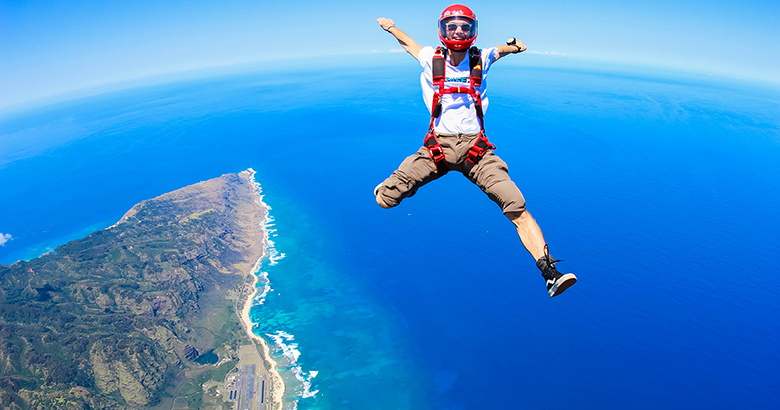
x,y
277,384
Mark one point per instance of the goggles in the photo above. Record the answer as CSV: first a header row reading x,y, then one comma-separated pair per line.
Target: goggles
x,y
466,27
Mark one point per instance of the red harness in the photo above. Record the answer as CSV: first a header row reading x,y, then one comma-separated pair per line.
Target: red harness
x,y
482,144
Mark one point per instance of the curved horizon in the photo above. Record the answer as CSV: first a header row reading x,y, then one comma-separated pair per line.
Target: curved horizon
x,y
61,47
551,59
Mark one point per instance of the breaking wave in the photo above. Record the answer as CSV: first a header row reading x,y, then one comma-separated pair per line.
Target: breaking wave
x,y
274,256
285,343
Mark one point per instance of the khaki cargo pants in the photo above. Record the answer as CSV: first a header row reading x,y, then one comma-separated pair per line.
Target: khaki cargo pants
x,y
490,174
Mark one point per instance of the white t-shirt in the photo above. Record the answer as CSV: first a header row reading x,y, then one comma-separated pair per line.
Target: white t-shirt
x,y
458,115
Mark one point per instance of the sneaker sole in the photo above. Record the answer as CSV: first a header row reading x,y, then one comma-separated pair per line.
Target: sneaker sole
x,y
563,283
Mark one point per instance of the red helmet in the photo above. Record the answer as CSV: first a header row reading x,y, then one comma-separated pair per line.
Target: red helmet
x,y
457,27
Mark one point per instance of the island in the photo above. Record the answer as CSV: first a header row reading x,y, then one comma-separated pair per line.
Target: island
x,y
149,313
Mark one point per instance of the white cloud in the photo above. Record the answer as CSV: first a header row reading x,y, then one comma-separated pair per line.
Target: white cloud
x,y
396,50
5,237
549,53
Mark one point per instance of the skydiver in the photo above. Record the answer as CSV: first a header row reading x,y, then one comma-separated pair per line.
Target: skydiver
x,y
456,141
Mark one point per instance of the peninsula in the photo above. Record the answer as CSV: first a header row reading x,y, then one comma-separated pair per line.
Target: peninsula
x,y
149,313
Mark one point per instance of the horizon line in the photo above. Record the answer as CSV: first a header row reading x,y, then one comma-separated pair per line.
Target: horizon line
x,y
163,77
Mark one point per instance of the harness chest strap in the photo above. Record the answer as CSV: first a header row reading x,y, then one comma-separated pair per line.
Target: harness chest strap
x,y
482,145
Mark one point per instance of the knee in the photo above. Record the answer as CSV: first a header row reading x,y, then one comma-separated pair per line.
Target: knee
x,y
521,219
506,195
395,189
381,202
515,216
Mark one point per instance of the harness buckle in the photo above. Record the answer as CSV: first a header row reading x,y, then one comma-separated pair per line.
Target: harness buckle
x,y
436,152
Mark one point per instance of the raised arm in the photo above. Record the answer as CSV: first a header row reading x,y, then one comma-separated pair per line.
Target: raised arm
x,y
507,49
404,40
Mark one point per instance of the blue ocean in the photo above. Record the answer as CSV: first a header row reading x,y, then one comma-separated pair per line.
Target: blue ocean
x,y
659,189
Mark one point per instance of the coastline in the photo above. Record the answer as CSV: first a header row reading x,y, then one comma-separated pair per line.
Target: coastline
x,y
277,383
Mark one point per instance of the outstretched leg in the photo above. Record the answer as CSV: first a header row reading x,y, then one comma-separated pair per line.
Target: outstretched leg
x,y
415,171
491,174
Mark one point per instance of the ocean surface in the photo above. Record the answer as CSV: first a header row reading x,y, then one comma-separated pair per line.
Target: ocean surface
x,y
660,190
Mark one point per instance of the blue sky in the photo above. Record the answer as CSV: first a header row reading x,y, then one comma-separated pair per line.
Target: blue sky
x,y
55,46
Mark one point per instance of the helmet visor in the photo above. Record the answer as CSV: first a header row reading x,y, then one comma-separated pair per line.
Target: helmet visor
x,y
458,28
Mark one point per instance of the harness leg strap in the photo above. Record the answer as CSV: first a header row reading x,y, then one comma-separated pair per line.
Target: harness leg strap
x,y
476,152
436,152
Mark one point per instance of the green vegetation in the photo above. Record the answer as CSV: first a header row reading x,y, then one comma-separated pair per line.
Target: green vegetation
x,y
193,391
221,372
104,321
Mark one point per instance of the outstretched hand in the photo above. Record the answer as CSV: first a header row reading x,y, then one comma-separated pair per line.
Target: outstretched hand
x,y
385,23
409,45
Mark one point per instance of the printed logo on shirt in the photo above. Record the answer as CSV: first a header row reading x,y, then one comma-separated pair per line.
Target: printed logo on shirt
x,y
457,80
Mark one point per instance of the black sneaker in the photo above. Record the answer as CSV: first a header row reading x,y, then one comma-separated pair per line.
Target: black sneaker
x,y
557,282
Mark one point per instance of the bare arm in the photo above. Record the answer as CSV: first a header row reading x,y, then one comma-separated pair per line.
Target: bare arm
x,y
406,42
505,49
